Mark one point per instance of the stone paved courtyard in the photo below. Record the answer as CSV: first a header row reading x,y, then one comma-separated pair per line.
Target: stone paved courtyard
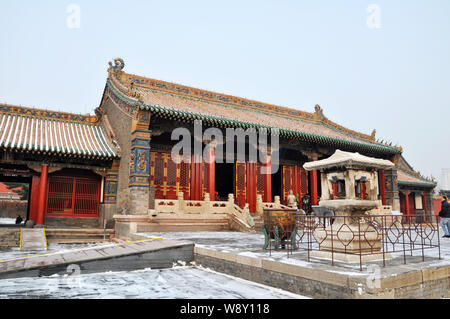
x,y
193,281
251,244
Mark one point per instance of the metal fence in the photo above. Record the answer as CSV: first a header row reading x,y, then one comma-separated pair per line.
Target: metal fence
x,y
360,236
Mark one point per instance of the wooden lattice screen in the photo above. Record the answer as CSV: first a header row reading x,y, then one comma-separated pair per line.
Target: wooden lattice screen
x,y
73,196
240,184
168,177
259,180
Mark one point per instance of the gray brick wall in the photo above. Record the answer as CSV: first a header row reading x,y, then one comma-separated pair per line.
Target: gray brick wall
x,y
9,237
121,125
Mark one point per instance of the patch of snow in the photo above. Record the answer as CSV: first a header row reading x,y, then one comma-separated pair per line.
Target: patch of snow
x,y
249,254
7,221
184,283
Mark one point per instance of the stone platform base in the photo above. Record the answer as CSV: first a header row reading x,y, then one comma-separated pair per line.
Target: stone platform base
x,y
319,279
128,225
90,235
348,258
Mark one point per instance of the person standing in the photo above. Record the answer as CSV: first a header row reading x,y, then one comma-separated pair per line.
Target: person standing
x,y
445,215
19,220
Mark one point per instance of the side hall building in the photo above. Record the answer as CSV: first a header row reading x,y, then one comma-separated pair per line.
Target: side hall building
x,y
83,170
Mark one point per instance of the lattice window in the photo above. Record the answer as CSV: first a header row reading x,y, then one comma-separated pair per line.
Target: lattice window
x,y
259,179
287,179
184,173
159,169
241,177
303,181
239,182
86,197
73,196
171,172
60,195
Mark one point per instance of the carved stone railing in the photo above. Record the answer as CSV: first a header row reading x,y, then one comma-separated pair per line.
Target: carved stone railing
x,y
205,208
260,205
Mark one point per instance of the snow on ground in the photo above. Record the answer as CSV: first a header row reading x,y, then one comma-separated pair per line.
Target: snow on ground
x,y
7,221
187,282
180,282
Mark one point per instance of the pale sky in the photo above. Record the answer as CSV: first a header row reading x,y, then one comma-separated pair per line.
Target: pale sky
x,y
381,65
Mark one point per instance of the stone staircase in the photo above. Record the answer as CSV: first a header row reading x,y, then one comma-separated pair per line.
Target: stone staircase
x,y
33,239
72,235
259,222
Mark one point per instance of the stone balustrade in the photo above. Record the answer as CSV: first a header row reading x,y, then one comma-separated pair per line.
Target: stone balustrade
x,y
205,208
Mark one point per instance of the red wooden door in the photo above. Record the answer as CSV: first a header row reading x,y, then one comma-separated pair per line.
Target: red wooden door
x,y
287,182
402,203
185,175
168,177
73,196
157,173
260,181
294,178
303,182
251,185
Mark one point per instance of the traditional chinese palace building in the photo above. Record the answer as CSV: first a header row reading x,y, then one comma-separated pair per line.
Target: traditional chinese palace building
x,y
89,168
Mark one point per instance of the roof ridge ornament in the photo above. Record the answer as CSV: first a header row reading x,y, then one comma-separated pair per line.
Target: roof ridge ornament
x,y
118,66
374,133
318,113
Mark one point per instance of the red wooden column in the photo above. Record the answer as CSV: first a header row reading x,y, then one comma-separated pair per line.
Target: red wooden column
x,y
363,191
42,193
314,187
34,198
251,186
296,188
268,180
407,206
382,187
424,196
211,169
335,190
196,178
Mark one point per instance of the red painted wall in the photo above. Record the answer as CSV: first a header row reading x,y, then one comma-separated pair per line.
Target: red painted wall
x,y
437,204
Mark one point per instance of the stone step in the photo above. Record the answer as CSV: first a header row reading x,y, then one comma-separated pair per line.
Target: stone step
x,y
183,227
33,239
190,220
77,240
258,227
72,235
89,231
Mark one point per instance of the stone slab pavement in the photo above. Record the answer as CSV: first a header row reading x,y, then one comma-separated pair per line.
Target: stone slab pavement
x,y
251,245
